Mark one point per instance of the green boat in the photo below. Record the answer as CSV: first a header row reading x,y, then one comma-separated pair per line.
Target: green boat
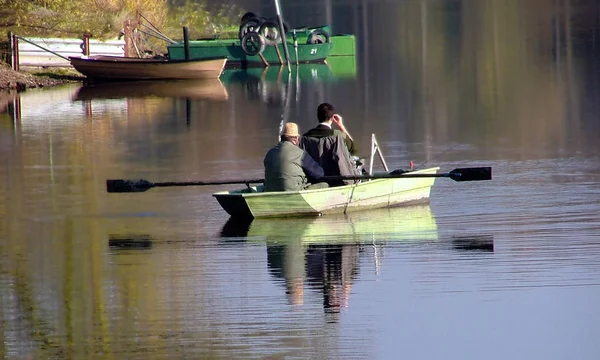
x,y
236,57
252,202
260,42
339,45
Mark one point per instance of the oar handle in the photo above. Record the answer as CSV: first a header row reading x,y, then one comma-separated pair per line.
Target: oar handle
x,y
200,183
462,174
130,186
381,176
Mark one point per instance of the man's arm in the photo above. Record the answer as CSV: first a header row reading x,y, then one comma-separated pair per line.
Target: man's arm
x,y
351,145
311,168
352,148
339,121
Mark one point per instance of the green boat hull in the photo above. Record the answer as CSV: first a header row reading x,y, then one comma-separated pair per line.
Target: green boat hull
x,y
343,45
340,45
378,193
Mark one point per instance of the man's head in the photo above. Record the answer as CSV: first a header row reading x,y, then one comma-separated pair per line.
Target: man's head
x,y
325,112
290,133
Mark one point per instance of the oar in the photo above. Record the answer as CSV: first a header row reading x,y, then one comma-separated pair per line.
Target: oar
x,y
463,174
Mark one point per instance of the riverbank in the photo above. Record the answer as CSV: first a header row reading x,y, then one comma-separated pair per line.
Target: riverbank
x,y
22,80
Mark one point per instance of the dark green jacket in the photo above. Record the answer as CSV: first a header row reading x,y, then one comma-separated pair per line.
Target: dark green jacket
x,y
287,167
321,131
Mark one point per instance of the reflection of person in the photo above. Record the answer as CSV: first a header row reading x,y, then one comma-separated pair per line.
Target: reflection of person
x,y
287,261
333,269
327,116
289,168
330,269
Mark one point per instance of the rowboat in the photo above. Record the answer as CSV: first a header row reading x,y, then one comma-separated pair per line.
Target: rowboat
x,y
253,202
101,67
371,190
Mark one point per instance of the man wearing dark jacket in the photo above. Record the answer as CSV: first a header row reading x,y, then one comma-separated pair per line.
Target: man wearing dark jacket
x,y
289,168
327,116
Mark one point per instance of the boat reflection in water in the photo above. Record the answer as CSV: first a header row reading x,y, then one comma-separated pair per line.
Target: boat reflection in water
x,y
131,95
322,254
335,69
206,89
274,85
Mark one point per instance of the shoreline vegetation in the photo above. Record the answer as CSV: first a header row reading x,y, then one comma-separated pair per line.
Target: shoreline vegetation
x,y
104,20
11,80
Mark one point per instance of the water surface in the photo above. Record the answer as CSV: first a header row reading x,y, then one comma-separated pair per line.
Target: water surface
x,y
498,269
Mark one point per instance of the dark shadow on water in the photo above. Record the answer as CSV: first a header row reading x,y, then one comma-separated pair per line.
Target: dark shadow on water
x,y
236,228
483,243
129,241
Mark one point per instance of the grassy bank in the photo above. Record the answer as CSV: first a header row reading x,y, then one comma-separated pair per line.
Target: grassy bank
x,y
22,80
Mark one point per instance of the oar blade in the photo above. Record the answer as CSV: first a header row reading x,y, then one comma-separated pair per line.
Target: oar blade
x,y
126,186
471,174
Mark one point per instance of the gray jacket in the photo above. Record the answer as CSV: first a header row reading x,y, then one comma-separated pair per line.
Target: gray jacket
x,y
287,167
332,154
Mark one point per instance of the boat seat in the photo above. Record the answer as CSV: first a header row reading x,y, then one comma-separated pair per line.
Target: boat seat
x,y
332,154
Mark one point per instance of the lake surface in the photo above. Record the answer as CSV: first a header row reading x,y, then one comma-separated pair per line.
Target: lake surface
x,y
500,269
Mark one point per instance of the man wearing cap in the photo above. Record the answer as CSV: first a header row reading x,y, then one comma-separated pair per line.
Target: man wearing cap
x,y
289,168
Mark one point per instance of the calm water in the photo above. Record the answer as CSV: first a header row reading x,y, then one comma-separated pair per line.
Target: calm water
x,y
501,269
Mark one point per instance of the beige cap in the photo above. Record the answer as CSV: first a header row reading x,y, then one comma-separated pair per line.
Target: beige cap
x,y
290,129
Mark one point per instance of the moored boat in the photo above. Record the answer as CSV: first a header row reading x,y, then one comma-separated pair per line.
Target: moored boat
x,y
378,193
102,67
259,43
236,57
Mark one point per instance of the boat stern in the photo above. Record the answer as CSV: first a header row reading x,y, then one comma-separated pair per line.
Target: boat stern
x,y
234,204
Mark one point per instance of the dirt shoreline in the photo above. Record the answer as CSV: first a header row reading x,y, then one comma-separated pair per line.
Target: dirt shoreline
x,y
11,80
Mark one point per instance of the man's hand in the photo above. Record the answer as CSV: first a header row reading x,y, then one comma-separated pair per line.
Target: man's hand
x,y
339,121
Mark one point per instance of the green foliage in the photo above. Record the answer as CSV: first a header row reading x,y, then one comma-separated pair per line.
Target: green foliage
x,y
53,17
104,18
201,21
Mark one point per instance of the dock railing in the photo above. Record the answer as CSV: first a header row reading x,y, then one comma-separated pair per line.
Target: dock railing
x,y
55,52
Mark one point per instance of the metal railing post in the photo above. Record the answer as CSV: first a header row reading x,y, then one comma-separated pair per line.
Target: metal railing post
x,y
86,44
14,44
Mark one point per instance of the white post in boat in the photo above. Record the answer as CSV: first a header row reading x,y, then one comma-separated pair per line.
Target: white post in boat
x,y
283,34
375,149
